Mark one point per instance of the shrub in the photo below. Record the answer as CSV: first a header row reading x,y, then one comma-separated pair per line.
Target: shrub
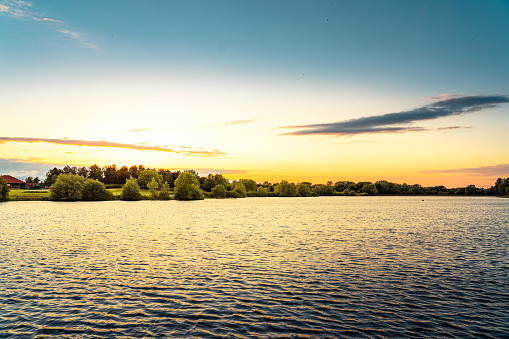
x,y
323,190
152,187
349,192
147,176
131,190
67,187
94,190
219,192
303,190
187,187
4,189
285,189
231,194
239,189
165,192
252,194
261,191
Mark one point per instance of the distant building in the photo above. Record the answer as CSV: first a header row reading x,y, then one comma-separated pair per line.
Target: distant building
x,y
14,183
33,186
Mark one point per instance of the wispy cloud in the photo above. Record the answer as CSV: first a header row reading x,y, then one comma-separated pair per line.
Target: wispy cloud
x,y
401,121
143,129
22,9
444,96
453,128
48,20
70,33
16,8
494,170
104,143
238,122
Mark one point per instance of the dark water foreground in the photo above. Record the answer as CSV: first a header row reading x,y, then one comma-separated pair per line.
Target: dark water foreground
x,y
272,267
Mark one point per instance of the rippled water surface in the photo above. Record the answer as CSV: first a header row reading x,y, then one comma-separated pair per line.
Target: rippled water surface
x,y
257,267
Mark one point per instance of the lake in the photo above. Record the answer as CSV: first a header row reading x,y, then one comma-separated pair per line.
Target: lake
x,y
324,267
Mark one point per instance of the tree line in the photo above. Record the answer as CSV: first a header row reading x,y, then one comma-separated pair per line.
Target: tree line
x,y
112,176
92,183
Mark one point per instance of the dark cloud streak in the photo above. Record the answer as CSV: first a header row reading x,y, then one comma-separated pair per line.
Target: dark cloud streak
x,y
388,123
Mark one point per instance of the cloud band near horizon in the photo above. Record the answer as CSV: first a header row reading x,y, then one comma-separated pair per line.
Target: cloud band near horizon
x,y
493,170
388,123
104,143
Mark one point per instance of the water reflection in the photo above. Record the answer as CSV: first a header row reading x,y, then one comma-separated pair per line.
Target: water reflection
x,y
271,267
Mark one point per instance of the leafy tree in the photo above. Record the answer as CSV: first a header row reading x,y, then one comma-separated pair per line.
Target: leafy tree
x,y
67,187
323,190
340,186
349,191
134,172
471,190
353,187
146,176
303,189
169,176
29,180
262,191
110,174
130,190
187,186
165,192
385,187
369,188
239,189
95,172
4,189
83,171
122,175
249,184
500,186
37,180
52,175
152,187
285,189
212,180
415,189
219,192
94,190
70,170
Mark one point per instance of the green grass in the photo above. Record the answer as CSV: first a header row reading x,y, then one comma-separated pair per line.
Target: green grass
x,y
118,191
44,194
28,194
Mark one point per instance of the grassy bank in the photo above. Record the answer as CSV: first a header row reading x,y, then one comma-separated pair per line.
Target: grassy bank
x,y
24,195
29,195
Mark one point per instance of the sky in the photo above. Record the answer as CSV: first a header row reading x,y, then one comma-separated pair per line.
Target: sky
x,y
358,90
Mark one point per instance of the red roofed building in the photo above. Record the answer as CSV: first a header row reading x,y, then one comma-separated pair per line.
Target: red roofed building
x,y
13,182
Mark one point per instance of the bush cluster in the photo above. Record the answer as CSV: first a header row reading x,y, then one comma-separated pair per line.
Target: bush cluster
x,y
73,187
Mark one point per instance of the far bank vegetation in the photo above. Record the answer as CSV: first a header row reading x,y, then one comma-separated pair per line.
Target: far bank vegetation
x,y
139,183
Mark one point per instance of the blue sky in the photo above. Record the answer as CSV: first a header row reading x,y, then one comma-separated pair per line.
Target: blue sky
x,y
179,72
